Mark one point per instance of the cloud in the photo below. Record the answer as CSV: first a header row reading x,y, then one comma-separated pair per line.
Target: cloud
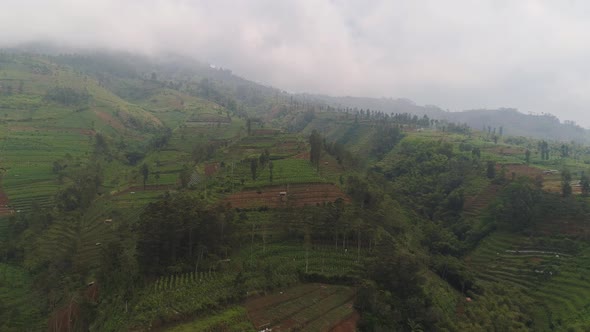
x,y
456,54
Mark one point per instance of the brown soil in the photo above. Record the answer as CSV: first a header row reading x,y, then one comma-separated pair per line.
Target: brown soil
x,y
519,170
347,325
474,204
211,169
568,227
298,195
260,310
508,150
5,209
110,119
303,155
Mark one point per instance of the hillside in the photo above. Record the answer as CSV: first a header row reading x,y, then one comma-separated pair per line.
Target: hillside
x,y
161,194
512,122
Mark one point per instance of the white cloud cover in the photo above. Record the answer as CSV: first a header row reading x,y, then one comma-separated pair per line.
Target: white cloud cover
x,y
528,54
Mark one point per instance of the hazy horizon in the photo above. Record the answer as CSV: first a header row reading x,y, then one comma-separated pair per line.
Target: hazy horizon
x,y
458,55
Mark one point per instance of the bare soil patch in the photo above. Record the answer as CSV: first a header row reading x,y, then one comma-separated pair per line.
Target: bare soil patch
x,y
296,195
110,119
308,307
508,150
303,155
5,209
347,325
519,170
211,169
568,227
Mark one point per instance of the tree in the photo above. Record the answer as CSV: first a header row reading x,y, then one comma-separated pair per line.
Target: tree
x,y
185,176
253,168
527,156
585,184
491,170
566,188
249,126
544,147
565,151
315,140
145,172
270,167
517,204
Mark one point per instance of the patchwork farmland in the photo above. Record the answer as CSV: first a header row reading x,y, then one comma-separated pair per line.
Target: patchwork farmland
x,y
309,307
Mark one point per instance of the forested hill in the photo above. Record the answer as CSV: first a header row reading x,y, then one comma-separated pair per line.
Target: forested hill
x,y
513,122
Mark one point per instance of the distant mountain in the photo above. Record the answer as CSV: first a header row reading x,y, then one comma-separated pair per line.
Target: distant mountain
x,y
514,123
544,126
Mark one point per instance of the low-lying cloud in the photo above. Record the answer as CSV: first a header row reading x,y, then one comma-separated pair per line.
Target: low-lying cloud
x,y
532,55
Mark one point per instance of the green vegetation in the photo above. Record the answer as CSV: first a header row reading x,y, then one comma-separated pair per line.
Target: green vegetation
x,y
118,175
234,319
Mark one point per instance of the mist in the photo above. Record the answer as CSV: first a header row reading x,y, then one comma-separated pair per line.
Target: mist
x,y
530,55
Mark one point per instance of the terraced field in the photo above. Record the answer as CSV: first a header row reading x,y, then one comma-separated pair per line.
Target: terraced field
x,y
180,296
287,259
296,195
308,307
28,158
556,276
475,204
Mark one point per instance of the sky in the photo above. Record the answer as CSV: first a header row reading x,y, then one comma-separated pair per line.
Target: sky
x,y
458,55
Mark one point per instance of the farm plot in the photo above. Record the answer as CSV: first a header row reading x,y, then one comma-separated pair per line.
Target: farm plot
x,y
552,274
28,158
231,320
519,170
287,259
475,204
291,195
566,226
178,297
308,307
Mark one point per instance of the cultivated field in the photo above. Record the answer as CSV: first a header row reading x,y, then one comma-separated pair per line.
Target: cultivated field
x,y
297,195
308,307
554,272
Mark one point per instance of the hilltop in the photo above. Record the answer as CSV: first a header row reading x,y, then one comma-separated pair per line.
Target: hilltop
x,y
509,120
